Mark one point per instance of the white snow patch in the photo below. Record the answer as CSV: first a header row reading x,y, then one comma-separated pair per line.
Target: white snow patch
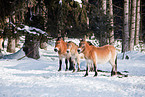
x,y
40,78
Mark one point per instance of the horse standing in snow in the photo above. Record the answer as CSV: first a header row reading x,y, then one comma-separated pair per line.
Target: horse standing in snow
x,y
72,51
98,55
1,41
61,48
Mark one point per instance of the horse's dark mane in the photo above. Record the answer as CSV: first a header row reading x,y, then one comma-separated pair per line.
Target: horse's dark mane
x,y
58,39
82,40
72,42
89,43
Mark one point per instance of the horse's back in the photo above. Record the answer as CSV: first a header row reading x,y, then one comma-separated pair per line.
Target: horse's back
x,y
105,53
104,50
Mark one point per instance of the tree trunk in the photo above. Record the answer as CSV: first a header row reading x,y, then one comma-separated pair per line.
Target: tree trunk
x,y
103,35
11,45
17,40
111,30
137,30
132,32
104,5
31,47
125,34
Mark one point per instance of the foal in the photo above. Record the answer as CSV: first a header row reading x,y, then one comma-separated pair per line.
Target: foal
x,y
72,50
98,55
61,47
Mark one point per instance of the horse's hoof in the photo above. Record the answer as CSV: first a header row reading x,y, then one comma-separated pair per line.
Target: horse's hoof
x,y
66,69
95,75
74,70
113,73
70,68
85,75
78,70
59,70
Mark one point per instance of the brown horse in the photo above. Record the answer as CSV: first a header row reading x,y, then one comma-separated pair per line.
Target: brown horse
x,y
1,41
72,51
61,48
98,55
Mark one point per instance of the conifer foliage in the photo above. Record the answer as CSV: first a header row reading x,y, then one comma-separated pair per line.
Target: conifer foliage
x,y
102,18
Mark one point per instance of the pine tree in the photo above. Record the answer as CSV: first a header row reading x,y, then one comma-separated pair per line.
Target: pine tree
x,y
104,35
104,6
111,29
125,33
133,19
138,17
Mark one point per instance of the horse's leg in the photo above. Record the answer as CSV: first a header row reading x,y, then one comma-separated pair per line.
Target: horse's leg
x,y
114,68
60,64
87,69
116,65
66,62
113,71
71,64
3,44
78,63
74,64
91,67
95,69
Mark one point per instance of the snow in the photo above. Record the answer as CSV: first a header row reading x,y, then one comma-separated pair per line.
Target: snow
x,y
80,2
77,41
16,55
29,29
40,78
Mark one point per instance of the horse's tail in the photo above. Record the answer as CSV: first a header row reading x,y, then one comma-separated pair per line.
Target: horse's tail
x,y
116,63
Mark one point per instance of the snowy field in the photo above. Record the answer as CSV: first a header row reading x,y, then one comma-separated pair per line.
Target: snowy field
x,y
40,78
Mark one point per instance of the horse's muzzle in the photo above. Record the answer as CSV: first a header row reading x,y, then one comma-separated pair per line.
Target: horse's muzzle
x,y
55,49
68,51
79,51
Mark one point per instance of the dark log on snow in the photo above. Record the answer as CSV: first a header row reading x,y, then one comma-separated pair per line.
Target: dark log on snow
x,y
31,46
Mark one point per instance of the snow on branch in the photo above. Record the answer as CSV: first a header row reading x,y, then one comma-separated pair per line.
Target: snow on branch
x,y
30,30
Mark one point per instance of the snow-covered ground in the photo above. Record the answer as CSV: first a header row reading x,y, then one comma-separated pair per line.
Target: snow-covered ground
x,y
40,78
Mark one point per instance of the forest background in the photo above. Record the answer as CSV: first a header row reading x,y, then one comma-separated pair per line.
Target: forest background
x,y
108,20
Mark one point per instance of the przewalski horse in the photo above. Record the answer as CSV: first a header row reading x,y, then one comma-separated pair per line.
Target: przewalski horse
x,y
72,51
61,48
98,55
1,42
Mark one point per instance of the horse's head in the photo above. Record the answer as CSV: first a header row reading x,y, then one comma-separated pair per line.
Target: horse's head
x,y
82,45
58,44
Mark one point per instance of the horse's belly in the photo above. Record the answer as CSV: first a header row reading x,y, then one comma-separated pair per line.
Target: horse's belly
x,y
64,56
73,57
89,61
104,59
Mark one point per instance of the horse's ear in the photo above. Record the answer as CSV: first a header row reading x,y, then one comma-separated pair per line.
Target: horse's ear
x,y
62,38
85,38
58,39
